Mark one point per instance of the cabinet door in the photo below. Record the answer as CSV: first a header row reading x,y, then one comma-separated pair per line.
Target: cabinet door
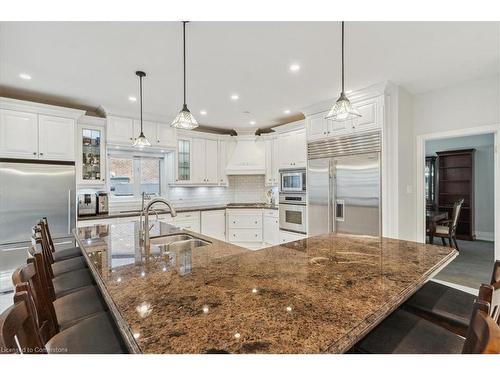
x,y
166,135
285,154
336,128
120,130
56,138
211,161
271,230
91,154
299,149
269,162
149,129
275,170
213,224
184,160
371,115
198,164
18,134
317,127
222,155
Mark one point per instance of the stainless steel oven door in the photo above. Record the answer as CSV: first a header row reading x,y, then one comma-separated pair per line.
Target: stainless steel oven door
x,y
293,217
292,181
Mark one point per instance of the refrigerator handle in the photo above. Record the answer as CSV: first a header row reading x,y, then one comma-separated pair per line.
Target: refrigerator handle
x,y
69,211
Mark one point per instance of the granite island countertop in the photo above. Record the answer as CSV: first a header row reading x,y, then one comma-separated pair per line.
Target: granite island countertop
x,y
321,294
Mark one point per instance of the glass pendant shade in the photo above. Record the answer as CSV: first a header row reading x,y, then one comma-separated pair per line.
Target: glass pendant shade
x,y
342,110
141,141
184,120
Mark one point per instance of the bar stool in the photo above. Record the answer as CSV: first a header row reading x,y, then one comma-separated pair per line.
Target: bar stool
x,y
448,307
405,333
59,254
18,333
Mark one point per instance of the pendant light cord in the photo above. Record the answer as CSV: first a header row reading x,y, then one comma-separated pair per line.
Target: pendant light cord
x,y
184,56
140,89
342,56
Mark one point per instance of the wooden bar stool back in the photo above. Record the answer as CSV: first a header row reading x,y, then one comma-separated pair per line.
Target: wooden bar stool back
x,y
18,329
483,336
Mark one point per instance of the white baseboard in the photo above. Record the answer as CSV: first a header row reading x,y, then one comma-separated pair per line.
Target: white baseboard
x,y
485,236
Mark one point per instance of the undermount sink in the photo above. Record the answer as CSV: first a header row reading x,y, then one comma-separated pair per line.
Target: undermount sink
x,y
178,242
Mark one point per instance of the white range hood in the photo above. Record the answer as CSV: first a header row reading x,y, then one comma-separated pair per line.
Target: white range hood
x,y
248,157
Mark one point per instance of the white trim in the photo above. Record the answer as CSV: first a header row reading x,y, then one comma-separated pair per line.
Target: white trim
x,y
291,126
485,236
40,108
465,289
420,170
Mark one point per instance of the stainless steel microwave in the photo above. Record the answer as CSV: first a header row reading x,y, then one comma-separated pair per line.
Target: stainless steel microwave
x,y
293,180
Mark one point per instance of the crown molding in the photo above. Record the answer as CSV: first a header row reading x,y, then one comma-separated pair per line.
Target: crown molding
x,y
40,108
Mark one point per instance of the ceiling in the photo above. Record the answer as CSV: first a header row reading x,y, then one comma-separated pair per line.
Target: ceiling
x,y
92,64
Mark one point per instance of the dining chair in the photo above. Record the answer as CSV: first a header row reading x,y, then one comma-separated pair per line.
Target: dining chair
x,y
405,333
94,335
448,307
448,228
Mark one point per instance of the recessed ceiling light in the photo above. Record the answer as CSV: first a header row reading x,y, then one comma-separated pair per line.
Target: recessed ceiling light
x,y
25,76
294,67
252,122
235,97
286,111
132,98
203,112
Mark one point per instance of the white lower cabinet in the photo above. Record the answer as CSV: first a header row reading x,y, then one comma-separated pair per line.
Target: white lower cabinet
x,y
188,220
213,224
244,227
271,227
285,236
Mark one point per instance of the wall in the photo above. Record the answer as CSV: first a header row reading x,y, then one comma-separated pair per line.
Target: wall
x,y
469,104
483,179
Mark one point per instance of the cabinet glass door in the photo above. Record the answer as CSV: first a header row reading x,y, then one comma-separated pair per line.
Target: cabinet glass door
x,y
91,155
184,160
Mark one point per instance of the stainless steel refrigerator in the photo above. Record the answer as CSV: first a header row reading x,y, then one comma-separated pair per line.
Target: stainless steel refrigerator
x,y
32,190
344,186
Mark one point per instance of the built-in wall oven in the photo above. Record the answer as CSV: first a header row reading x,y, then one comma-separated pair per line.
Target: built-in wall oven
x,y
293,180
293,211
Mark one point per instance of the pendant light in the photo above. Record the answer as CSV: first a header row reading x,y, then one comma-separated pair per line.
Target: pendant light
x,y
184,119
343,110
141,141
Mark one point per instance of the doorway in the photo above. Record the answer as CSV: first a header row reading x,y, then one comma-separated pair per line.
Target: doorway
x,y
460,167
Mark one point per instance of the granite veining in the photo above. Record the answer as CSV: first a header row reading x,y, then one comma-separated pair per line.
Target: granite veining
x,y
321,294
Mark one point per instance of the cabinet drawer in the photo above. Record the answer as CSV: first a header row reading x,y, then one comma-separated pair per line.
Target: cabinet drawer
x,y
189,224
271,213
245,221
245,235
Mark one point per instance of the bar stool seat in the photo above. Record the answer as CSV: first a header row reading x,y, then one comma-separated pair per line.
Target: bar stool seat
x,y
95,335
406,333
67,265
77,306
70,281
442,303
66,253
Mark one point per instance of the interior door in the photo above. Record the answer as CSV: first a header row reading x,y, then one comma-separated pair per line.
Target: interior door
x,y
356,204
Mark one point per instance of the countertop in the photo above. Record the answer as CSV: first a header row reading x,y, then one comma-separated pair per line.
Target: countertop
x,y
131,213
320,294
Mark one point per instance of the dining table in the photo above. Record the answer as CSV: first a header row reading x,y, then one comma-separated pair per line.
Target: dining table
x,y
432,218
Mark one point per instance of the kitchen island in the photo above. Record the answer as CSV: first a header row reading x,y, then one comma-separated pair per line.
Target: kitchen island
x,y
317,295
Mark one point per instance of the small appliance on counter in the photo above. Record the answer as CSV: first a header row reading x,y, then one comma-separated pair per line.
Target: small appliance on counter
x,y
102,202
87,204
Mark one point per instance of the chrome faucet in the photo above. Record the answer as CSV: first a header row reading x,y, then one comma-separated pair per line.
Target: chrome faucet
x,y
145,212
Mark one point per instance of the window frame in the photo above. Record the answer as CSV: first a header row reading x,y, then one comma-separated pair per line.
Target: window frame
x,y
136,170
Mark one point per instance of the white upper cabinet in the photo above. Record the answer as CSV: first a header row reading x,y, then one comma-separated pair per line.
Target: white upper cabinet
x,y
292,148
272,160
166,136
211,161
205,161
18,134
371,111
56,139
120,130
198,164
222,155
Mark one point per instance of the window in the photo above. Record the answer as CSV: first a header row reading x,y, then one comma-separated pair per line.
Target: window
x,y
184,162
130,176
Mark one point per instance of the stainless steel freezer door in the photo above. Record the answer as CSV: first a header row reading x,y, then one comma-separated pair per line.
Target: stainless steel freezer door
x,y
357,194
318,192
31,191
